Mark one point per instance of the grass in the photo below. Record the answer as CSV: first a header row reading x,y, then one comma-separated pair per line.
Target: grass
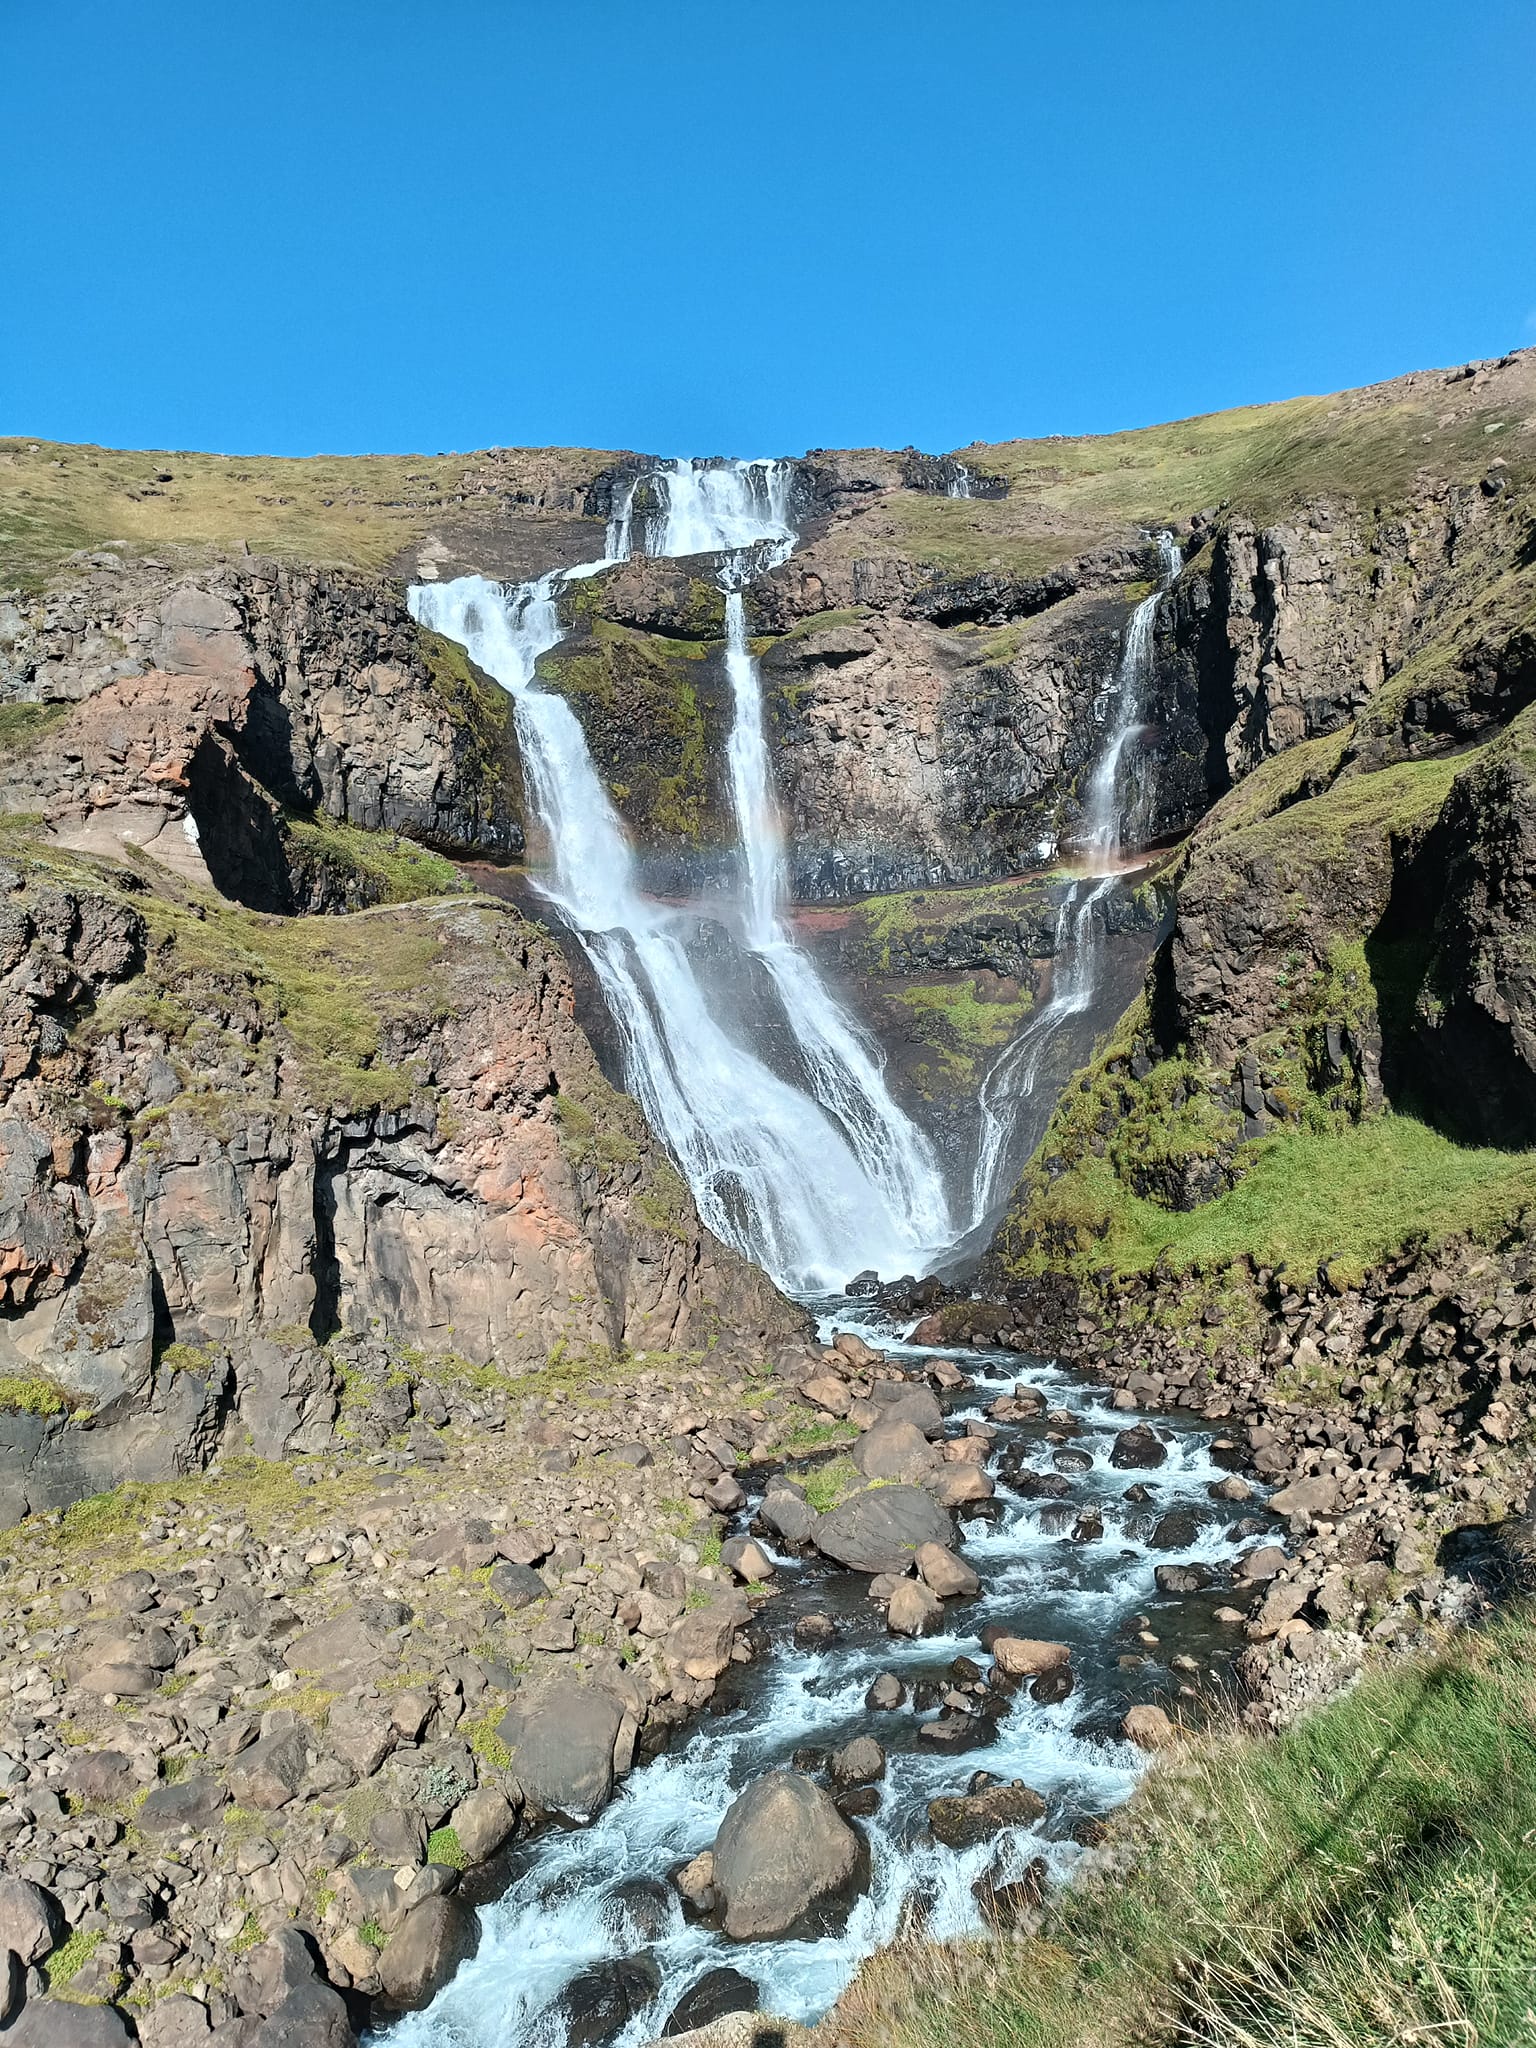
x,y
20,724
1352,1195
830,1482
359,510
70,1958
378,867
815,1436
959,1028
1366,1878
483,1740
443,1846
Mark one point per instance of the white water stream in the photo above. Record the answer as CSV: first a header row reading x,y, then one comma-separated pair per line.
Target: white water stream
x,y
565,1910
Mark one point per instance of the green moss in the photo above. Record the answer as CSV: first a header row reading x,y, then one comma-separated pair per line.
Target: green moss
x,y
193,1358
30,1396
815,1436
483,1740
443,1846
599,1126
378,867
829,1482
962,1030
665,1203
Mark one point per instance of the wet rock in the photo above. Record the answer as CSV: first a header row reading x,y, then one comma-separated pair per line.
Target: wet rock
x,y
1138,1450
860,1762
913,1610
742,1556
1183,1578
1053,1686
425,1950
1148,1728
886,1694
562,1747
815,1632
1009,1907
962,1821
1176,1530
716,1993
882,1529
787,1516
945,1574
782,1849
696,1881
898,1402
1260,1564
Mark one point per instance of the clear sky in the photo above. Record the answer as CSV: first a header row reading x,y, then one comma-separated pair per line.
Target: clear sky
x,y
685,226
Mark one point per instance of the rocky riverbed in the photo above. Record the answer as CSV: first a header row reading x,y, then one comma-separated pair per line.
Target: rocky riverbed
x,y
272,1732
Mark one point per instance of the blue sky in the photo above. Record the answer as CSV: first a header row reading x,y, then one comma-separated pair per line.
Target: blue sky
x,y
698,228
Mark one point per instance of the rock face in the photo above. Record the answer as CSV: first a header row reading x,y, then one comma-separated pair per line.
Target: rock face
x,y
782,1849
440,1153
562,1748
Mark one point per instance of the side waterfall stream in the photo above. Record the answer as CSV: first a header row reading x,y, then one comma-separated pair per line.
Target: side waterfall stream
x,y
817,1175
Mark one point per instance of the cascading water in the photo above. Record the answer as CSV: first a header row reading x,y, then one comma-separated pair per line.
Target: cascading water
x,y
814,1183
1109,825
959,485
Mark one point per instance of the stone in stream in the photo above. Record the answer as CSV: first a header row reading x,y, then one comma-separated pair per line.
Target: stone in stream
x,y
696,1882
425,1950
882,1529
603,2000
1138,1450
860,1762
1259,1564
913,1610
742,1556
945,1574
642,1906
1053,1686
815,1632
787,1516
1183,1578
1009,1907
886,1694
898,1402
1025,1656
1176,1530
895,1450
957,1485
971,1817
1088,1527
562,1747
716,1993
783,1848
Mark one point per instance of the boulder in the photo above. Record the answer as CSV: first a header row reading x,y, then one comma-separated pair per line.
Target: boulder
x,y
788,1516
56,2023
398,1835
699,1643
742,1556
895,1450
31,1922
602,2001
425,1950
482,1821
1138,1450
517,1586
270,1772
962,1821
313,2015
562,1747
913,1610
860,1762
945,1574
715,1994
886,1694
897,1402
782,1848
956,1486
192,1803
1305,1498
882,1529
1183,1578
1263,1563
1024,1657
1148,1728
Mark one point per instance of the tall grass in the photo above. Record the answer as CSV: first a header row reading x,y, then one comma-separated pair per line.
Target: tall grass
x,y
1367,1878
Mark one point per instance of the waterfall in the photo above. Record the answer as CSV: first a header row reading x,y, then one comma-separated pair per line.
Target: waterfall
x,y
959,485
1108,826
843,1067
815,1183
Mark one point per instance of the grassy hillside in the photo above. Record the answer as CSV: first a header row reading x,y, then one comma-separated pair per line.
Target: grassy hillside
x,y
1367,1879
359,510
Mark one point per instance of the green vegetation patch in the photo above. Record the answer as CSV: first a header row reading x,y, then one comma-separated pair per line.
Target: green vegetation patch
x,y
30,1395
23,724
1366,1878
380,867
962,1029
